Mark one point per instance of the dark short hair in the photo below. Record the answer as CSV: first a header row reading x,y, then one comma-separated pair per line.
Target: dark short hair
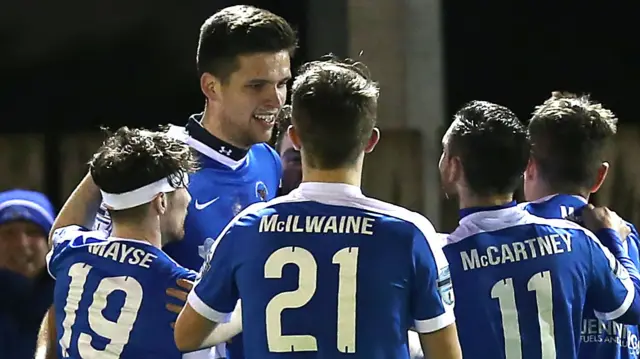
x,y
240,30
283,121
334,111
131,158
569,136
492,145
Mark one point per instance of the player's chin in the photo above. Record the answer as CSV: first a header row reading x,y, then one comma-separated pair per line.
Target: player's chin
x,y
179,235
263,135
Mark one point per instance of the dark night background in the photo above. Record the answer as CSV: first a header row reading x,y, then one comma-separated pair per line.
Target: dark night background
x,y
77,66
517,52
513,53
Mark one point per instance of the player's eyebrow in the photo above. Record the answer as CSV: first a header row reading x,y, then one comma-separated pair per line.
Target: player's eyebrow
x,y
261,81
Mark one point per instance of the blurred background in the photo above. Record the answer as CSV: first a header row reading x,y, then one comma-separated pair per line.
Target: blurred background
x,y
67,68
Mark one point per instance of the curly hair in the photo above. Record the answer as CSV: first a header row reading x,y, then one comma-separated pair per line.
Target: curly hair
x,y
570,135
131,158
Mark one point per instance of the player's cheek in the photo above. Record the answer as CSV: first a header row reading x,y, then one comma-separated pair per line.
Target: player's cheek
x,y
282,95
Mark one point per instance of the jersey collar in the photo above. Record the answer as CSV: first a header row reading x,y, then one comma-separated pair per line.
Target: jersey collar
x,y
329,189
549,197
200,134
471,210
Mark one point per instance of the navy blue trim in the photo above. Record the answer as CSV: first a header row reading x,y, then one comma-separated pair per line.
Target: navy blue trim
x,y
467,211
196,131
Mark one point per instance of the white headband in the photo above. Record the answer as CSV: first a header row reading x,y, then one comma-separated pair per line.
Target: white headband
x,y
144,194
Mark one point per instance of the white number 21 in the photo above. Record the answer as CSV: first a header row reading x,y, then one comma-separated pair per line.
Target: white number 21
x,y
505,293
117,332
347,259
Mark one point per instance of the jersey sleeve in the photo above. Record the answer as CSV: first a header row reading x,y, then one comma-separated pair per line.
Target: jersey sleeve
x,y
278,162
188,274
432,299
102,222
215,294
60,239
611,290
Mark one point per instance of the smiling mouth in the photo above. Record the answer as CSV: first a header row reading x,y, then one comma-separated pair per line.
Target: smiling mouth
x,y
269,119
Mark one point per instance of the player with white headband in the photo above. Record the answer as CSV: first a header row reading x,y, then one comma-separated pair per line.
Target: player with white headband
x,y
110,292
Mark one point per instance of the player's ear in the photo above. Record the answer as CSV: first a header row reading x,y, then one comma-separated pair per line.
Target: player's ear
x,y
601,176
373,140
530,170
159,203
293,136
210,86
456,171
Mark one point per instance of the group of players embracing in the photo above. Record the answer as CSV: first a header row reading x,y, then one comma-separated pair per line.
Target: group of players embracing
x,y
325,271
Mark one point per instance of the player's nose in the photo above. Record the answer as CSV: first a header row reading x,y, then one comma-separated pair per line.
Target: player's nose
x,y
274,96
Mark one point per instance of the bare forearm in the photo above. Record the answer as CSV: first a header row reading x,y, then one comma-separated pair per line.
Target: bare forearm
x,y
191,329
441,344
81,207
223,332
47,337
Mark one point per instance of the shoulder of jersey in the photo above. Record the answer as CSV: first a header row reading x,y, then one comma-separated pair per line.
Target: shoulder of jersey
x,y
263,149
390,211
268,149
255,208
564,223
403,214
468,228
74,232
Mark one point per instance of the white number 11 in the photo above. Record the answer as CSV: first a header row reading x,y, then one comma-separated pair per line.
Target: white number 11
x,y
347,259
505,293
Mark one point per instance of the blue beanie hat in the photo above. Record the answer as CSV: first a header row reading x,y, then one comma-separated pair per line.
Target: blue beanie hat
x,y
27,206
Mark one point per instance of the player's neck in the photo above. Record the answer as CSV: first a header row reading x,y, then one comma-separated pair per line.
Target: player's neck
x,y
344,175
137,231
472,201
212,122
546,191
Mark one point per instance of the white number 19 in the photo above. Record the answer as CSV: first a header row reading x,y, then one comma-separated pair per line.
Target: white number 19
x,y
347,259
505,293
117,332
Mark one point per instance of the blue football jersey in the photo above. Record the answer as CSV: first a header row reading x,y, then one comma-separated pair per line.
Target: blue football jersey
x,y
326,272
598,339
222,187
218,194
110,298
229,180
521,282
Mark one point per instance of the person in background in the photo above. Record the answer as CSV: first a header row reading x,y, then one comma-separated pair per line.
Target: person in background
x,y
521,281
290,157
243,63
27,290
570,135
321,242
109,294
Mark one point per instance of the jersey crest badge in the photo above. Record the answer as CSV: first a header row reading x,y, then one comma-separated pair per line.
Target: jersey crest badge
x,y
206,252
261,191
445,287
